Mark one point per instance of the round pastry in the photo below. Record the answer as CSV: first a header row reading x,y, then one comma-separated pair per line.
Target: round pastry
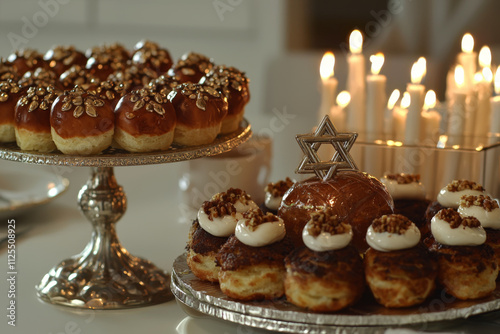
x,y
199,113
7,71
164,84
10,92
274,193
61,58
398,268
145,122
26,60
109,91
450,195
408,194
252,260
32,119
234,85
327,274
191,67
40,76
216,221
151,55
356,197
106,59
133,76
487,211
77,75
81,123
467,266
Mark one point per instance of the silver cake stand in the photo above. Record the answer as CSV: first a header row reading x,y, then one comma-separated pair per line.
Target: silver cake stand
x,y
105,275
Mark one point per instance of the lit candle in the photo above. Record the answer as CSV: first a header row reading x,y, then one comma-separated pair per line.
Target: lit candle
x,y
484,90
431,119
456,119
389,118
400,114
468,59
338,112
495,111
416,91
356,84
375,97
329,84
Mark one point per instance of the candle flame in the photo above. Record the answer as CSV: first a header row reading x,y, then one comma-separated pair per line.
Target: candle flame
x,y
497,81
356,41
343,99
377,61
430,100
459,76
487,74
467,43
393,99
485,57
418,71
326,68
406,100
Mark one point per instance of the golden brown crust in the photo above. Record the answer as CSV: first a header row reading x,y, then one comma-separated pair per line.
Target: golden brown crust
x,y
235,255
400,278
467,272
357,198
202,242
191,67
60,58
324,281
32,111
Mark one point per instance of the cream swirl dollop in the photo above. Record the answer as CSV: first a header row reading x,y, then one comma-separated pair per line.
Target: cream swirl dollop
x,y
404,186
256,229
220,215
392,232
450,195
484,208
449,228
325,232
274,193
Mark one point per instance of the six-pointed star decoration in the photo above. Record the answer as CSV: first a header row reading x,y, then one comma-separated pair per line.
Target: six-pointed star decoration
x,y
326,133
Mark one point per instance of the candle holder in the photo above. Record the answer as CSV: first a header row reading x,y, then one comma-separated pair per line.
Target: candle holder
x,y
437,164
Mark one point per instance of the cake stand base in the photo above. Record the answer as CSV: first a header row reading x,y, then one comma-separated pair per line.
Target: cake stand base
x,y
104,275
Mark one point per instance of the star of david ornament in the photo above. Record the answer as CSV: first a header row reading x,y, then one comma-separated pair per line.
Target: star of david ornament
x,y
326,133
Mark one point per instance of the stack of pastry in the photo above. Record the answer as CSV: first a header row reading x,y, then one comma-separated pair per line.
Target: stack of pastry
x,y
166,102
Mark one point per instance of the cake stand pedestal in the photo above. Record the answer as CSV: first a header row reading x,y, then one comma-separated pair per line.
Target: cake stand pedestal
x,y
105,275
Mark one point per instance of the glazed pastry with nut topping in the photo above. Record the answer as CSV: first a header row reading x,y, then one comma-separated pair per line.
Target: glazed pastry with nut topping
x,y
467,266
10,92
251,261
326,274
191,67
145,122
26,60
151,55
216,221
106,59
81,123
32,118
398,268
200,110
274,193
234,85
61,58
487,211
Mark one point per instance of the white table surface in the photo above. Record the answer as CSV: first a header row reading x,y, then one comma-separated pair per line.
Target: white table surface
x,y
153,228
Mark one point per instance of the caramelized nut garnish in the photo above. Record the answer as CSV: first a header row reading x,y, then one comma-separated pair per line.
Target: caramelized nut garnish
x,y
394,223
486,202
215,209
279,188
326,221
256,217
232,195
403,178
459,185
455,220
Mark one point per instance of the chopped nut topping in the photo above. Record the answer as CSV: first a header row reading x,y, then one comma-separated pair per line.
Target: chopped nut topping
x,y
193,61
226,77
77,75
256,217
233,195
459,185
394,223
279,188
455,220
403,178
326,221
218,208
152,101
486,202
